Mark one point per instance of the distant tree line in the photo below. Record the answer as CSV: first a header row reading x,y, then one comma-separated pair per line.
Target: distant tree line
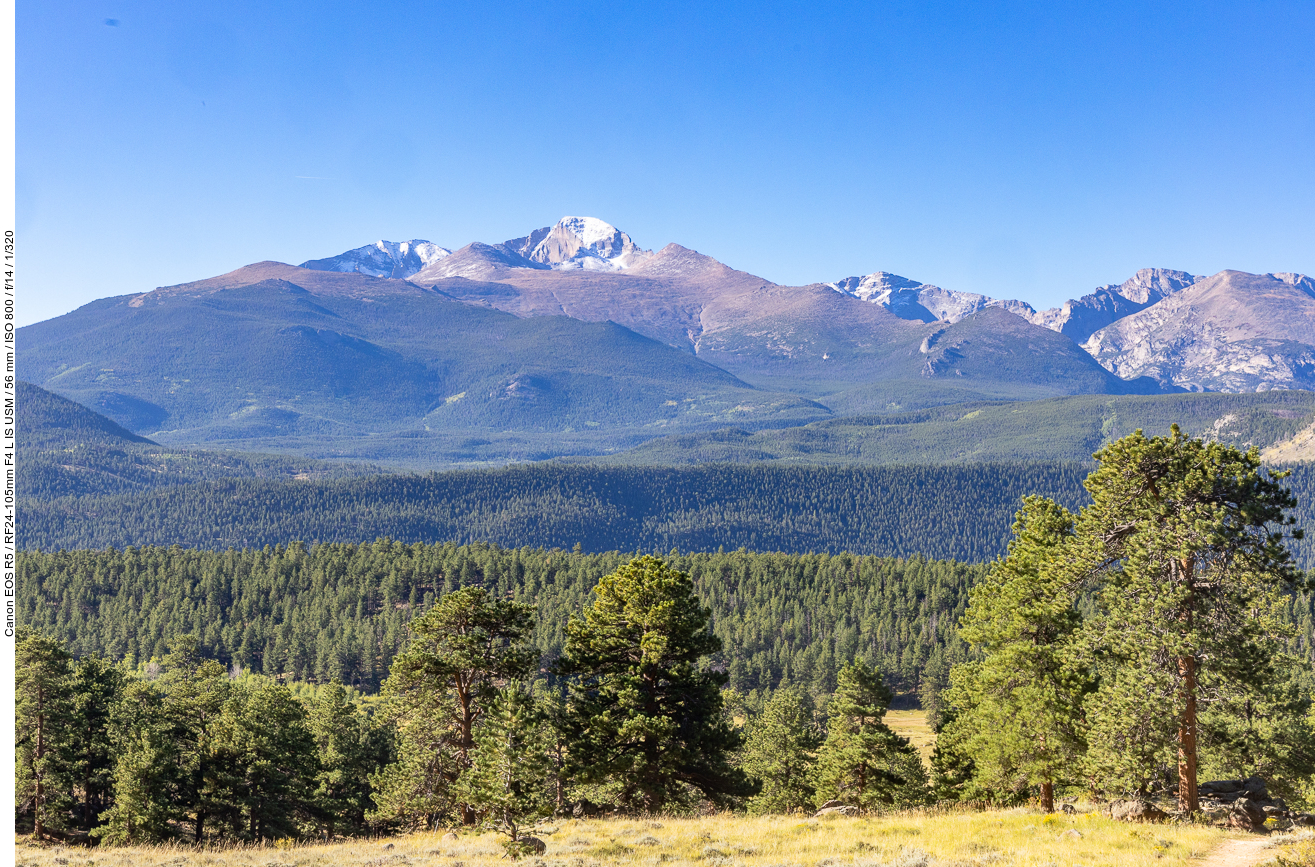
x,y
340,612
943,512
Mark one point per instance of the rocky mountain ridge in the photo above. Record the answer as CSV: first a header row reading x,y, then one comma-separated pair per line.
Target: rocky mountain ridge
x,y
1132,328
383,259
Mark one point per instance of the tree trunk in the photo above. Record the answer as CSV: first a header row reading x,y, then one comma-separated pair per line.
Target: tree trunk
x,y
1187,794
467,739
1048,796
38,826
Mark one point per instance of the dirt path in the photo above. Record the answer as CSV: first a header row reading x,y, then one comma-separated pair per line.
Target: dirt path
x,y
1237,852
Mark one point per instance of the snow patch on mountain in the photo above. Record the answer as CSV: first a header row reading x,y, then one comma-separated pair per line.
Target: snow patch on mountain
x,y
399,259
580,243
909,299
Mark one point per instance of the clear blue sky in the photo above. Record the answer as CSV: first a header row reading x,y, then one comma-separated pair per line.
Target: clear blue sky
x,y
1029,150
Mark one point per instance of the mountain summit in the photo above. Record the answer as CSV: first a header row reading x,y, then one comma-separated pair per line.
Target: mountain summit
x,y
572,244
584,243
383,259
909,299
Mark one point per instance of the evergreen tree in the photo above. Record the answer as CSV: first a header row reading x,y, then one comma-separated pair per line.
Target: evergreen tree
x,y
195,690
466,646
862,761
779,750
1186,538
1019,706
350,750
43,719
97,686
645,719
266,763
508,783
1268,734
147,769
953,773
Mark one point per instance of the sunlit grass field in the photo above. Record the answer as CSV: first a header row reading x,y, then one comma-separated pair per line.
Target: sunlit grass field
x,y
1008,838
912,724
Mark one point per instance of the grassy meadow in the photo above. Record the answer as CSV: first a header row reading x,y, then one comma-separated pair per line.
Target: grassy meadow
x,y
913,725
1007,838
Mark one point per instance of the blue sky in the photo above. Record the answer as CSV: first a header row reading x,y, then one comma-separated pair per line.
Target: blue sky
x,y
1028,150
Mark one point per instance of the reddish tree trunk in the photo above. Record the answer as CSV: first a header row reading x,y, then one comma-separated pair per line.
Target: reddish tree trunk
x,y
39,828
1048,796
1187,796
1188,801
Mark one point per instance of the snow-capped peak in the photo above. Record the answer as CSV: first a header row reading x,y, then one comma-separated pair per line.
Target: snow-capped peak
x,y
580,243
909,299
383,259
589,230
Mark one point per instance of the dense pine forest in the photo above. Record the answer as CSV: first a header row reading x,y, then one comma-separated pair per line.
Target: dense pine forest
x,y
948,512
340,612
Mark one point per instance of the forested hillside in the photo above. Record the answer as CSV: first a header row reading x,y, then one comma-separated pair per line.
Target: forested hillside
x,y
948,512
340,612
68,450
1059,429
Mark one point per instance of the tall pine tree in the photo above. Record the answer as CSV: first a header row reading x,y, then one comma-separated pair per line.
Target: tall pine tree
x,y
862,761
1186,538
1019,705
43,720
646,719
465,648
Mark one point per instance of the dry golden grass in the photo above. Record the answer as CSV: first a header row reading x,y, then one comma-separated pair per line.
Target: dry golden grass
x,y
912,724
1296,849
1007,838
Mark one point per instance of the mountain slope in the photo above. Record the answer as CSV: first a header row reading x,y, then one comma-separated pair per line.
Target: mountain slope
x,y
66,450
1059,429
813,341
1231,332
271,350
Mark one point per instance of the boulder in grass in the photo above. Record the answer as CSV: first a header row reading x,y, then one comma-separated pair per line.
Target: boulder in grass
x,y
524,845
1238,820
838,810
1136,810
1254,812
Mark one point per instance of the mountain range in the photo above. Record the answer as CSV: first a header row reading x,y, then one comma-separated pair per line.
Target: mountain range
x,y
1231,332
574,340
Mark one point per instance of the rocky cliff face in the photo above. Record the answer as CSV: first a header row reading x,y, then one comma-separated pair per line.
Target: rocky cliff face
x,y
580,243
1230,332
1081,318
909,299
